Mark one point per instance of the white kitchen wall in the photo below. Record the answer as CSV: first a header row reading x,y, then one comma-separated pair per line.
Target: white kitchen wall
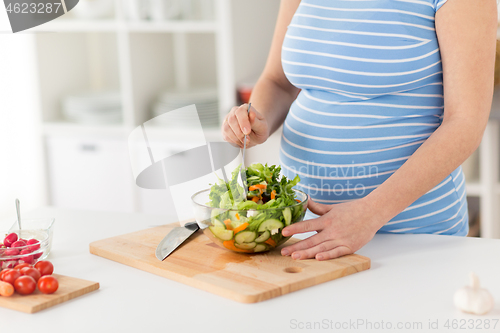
x,y
251,47
21,170
23,173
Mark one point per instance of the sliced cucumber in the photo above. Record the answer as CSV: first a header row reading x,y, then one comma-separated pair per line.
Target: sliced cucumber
x,y
246,246
253,178
222,233
260,248
287,215
271,225
263,237
245,237
218,224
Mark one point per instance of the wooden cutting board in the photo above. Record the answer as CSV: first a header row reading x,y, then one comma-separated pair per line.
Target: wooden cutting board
x,y
69,288
246,278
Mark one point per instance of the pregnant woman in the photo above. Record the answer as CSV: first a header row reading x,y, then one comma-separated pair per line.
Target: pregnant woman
x,y
381,101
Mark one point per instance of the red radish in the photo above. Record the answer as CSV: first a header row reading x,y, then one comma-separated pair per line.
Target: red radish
x,y
35,244
9,239
26,259
9,264
37,255
19,243
11,252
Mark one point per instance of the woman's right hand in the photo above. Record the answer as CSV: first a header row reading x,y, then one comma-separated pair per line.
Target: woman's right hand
x,y
239,123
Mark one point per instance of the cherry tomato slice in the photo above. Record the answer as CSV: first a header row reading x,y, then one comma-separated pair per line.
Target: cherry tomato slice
x,y
48,284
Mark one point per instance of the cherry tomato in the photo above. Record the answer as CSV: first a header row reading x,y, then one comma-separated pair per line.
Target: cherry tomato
x,y
21,266
48,284
2,272
45,267
30,271
25,285
11,275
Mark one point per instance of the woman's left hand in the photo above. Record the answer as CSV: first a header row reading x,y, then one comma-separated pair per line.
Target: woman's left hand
x,y
342,229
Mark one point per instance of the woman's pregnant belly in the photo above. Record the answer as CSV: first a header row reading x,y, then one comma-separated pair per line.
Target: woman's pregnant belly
x,y
343,150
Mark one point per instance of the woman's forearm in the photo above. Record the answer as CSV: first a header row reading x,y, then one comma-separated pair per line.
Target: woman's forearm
x,y
446,149
273,101
466,34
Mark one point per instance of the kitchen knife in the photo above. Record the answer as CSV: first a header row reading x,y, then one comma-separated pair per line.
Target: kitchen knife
x,y
174,239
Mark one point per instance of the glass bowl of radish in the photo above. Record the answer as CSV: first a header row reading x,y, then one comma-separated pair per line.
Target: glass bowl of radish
x,y
29,245
247,230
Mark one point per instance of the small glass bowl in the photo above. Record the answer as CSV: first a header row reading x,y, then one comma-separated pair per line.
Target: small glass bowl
x,y
39,229
217,224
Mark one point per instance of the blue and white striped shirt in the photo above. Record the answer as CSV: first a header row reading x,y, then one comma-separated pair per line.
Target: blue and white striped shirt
x,y
372,92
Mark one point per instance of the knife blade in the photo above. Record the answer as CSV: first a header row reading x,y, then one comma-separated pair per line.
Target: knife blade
x,y
174,239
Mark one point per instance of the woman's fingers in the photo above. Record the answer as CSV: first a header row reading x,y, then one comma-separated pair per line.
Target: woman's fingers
x,y
239,122
258,124
235,127
229,136
334,253
304,226
317,208
304,244
323,247
243,119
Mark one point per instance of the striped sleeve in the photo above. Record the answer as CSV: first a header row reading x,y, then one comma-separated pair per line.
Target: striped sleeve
x,y
438,4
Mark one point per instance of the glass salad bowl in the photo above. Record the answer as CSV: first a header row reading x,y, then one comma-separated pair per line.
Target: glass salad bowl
x,y
250,230
29,245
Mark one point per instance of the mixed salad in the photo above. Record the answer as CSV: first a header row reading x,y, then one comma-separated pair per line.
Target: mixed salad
x,y
254,224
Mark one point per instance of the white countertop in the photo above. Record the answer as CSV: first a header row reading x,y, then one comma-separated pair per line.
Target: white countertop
x,y
412,280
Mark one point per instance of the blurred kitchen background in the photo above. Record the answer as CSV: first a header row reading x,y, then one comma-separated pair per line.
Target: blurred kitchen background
x,y
71,93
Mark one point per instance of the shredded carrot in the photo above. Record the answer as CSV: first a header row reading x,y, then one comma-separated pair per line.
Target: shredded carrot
x,y
230,246
237,216
258,186
270,241
255,199
273,194
297,200
240,227
228,224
